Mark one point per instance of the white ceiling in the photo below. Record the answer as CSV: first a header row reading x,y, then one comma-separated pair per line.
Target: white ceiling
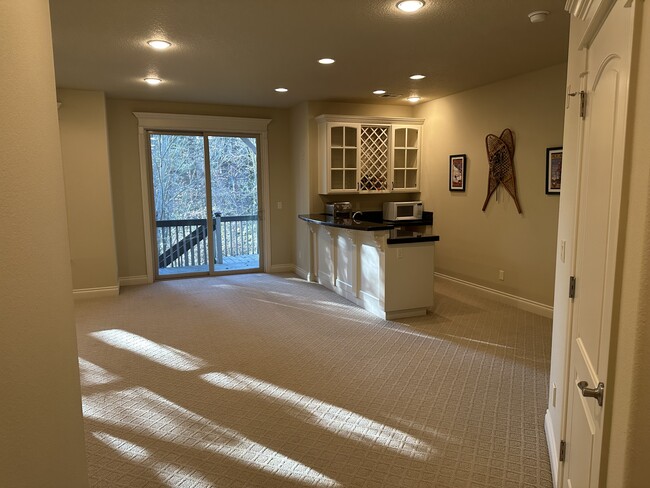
x,y
237,51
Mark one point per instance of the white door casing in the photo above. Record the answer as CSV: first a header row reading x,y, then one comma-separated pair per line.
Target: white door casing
x,y
608,51
211,124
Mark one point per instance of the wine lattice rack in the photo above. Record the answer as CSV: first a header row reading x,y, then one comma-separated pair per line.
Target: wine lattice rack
x,y
373,170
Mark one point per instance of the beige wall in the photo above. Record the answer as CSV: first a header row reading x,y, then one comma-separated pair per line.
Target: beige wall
x,y
301,178
41,425
475,245
125,174
84,146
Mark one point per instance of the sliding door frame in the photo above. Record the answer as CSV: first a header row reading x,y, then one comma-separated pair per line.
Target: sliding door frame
x,y
206,125
261,206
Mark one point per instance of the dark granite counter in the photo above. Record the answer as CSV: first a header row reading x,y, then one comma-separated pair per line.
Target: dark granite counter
x,y
399,232
404,236
353,224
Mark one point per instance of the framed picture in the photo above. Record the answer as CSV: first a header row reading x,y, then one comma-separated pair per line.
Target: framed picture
x,y
553,170
457,172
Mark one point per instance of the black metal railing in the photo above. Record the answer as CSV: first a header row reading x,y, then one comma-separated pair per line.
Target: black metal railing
x,y
184,243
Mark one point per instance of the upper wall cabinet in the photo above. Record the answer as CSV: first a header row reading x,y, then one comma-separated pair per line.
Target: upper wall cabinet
x,y
406,157
368,154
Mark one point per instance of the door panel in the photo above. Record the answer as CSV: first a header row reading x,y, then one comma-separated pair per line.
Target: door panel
x,y
234,169
600,184
178,175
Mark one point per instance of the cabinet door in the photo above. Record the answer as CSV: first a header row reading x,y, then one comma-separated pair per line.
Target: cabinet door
x,y
406,158
343,157
374,158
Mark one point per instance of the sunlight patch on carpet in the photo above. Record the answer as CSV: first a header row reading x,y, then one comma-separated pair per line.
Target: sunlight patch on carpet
x,y
151,415
170,474
335,419
92,375
158,353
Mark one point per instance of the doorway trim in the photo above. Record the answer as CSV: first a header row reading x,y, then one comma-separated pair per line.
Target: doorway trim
x,y
202,123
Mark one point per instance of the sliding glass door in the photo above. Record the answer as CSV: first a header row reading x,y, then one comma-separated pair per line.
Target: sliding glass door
x,y
235,200
206,203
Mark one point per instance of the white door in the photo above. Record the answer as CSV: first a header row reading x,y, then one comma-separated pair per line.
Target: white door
x,y
600,182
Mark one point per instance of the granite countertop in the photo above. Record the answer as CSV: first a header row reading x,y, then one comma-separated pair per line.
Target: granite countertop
x,y
372,221
353,224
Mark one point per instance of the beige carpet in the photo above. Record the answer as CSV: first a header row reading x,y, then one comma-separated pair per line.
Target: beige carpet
x,y
270,381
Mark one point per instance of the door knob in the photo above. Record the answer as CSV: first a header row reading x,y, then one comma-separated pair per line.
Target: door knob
x,y
596,393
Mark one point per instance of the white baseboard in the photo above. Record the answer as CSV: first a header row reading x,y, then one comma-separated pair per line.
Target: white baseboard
x,y
513,300
301,272
134,280
552,452
282,268
104,291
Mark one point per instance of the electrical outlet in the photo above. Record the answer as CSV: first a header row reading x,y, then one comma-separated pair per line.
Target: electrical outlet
x,y
501,275
279,205
400,253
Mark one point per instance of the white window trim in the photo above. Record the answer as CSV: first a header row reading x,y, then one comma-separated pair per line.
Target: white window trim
x,y
202,123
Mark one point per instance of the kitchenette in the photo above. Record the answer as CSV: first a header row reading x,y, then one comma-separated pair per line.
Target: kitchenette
x,y
380,260
379,257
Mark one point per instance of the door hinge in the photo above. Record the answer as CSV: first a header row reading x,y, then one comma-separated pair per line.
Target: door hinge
x,y
572,287
583,102
562,451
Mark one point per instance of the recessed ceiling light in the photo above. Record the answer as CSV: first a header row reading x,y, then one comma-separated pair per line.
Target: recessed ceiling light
x,y
326,61
413,99
379,92
538,16
417,77
159,44
281,90
410,5
153,81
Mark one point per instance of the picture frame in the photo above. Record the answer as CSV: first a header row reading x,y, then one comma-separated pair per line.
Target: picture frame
x,y
457,172
553,170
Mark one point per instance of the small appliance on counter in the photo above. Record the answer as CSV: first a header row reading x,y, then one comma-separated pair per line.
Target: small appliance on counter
x,y
340,210
395,211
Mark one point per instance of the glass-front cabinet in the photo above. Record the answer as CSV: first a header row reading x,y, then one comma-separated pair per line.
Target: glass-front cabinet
x,y
343,157
368,154
406,158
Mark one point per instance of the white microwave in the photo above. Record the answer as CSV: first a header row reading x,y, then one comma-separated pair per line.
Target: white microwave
x,y
403,211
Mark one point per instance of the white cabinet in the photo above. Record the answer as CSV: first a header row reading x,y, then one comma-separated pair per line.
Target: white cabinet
x,y
390,281
368,155
406,158
343,156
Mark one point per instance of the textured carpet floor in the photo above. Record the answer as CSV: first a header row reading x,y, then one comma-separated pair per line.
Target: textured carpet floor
x,y
267,380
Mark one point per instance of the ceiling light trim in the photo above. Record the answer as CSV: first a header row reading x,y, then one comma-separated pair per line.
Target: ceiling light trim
x,y
152,81
410,6
159,44
538,16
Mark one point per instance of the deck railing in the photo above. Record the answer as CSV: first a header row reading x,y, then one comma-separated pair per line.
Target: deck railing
x,y
183,243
